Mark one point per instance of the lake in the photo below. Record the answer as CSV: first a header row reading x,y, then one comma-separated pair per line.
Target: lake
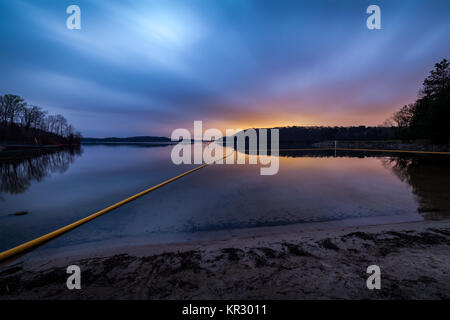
x,y
313,187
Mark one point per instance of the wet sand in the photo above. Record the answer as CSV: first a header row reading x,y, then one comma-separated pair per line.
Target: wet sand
x,y
414,259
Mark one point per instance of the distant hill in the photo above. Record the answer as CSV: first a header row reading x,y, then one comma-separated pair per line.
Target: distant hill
x,y
126,140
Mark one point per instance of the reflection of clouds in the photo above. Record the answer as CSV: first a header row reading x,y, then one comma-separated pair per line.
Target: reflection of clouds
x,y
17,174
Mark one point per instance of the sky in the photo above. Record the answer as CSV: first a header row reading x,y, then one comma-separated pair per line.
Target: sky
x,y
149,67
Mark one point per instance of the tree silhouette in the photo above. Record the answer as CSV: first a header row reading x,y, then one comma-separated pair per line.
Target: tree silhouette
x,y
22,123
428,116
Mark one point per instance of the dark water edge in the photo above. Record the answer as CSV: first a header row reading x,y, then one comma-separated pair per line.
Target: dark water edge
x,y
25,149
386,145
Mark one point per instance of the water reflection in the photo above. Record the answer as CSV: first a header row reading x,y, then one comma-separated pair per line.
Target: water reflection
x,y
429,178
19,172
427,175
351,187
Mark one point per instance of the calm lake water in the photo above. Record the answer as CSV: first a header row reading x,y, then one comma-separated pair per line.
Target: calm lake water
x,y
349,188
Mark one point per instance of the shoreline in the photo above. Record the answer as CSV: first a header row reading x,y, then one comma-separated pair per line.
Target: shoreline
x,y
311,264
385,145
13,148
20,152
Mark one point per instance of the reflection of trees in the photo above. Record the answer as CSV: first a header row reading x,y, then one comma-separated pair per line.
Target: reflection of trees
x,y
429,178
17,173
322,153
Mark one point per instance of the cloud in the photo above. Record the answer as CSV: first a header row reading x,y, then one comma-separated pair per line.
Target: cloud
x,y
144,67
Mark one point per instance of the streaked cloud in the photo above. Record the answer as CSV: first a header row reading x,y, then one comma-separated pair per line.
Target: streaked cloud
x,y
146,67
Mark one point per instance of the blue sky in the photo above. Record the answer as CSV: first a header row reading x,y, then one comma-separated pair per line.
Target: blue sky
x,y
148,67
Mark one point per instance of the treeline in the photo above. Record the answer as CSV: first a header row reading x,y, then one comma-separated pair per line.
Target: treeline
x,y
30,124
429,116
308,135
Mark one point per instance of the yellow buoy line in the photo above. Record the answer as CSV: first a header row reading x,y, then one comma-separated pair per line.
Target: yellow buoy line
x,y
25,247
49,236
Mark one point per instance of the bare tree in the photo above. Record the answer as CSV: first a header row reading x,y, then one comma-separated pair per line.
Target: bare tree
x,y
61,124
52,124
42,122
403,117
11,107
30,116
19,121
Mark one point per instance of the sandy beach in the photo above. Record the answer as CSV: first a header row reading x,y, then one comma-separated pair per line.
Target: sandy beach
x,y
319,264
